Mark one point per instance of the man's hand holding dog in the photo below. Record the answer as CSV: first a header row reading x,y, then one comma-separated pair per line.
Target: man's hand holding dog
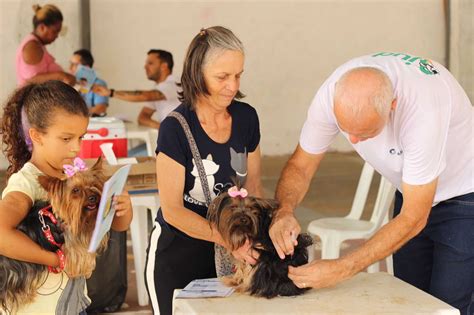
x,y
319,273
284,231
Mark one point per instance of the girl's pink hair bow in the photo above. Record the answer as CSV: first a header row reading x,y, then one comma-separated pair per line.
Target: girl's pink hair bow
x,y
78,166
235,192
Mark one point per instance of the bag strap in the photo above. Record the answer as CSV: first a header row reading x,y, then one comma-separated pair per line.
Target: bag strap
x,y
196,155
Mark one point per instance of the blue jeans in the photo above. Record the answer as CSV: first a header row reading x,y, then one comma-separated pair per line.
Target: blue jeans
x,y
440,259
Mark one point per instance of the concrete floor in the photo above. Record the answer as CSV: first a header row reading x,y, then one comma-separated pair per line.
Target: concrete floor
x,y
330,194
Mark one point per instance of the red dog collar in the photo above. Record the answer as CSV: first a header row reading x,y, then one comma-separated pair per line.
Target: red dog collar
x,y
49,236
62,263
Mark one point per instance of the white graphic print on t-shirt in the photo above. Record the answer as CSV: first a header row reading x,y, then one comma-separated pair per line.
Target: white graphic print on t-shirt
x,y
210,169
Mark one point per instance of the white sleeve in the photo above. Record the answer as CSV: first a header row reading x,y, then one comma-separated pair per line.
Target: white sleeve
x,y
18,182
169,90
423,136
320,128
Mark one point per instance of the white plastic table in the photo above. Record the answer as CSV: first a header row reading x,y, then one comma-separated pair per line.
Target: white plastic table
x,y
366,293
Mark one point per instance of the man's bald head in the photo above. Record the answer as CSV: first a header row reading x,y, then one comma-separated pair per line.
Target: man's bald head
x,y
364,89
362,102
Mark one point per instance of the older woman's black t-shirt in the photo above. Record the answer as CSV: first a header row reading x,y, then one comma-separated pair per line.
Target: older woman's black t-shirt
x,y
222,161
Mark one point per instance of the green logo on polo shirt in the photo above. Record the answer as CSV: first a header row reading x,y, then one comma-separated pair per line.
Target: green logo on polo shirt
x,y
425,65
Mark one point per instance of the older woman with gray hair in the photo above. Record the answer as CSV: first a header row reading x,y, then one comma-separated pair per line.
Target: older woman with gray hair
x,y
210,140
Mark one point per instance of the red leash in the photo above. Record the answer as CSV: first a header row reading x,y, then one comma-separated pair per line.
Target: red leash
x,y
49,236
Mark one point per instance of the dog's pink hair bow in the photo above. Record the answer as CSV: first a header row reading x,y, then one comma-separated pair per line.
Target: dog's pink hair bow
x,y
78,166
235,192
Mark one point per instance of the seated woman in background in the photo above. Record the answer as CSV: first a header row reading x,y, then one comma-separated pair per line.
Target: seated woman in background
x,y
33,62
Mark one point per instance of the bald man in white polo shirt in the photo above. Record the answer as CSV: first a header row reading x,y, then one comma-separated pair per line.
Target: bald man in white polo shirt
x,y
409,118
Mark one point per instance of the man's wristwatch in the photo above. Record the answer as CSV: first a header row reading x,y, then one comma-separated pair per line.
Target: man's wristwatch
x,y
111,93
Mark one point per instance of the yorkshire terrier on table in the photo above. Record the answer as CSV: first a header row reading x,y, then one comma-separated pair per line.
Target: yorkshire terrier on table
x,y
239,217
65,227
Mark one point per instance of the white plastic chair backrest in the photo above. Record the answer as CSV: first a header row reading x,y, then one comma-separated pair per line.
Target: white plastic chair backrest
x,y
362,192
384,199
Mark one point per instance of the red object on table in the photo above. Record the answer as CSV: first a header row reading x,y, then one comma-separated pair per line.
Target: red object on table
x,y
104,130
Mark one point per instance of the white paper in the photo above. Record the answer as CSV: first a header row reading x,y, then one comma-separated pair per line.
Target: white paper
x,y
106,213
205,288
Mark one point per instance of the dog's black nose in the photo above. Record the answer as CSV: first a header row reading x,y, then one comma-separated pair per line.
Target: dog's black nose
x,y
92,198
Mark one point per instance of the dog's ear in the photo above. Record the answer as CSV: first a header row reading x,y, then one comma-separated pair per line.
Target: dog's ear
x,y
98,170
215,208
268,205
98,165
49,183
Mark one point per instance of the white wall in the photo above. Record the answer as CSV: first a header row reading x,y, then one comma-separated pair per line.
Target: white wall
x,y
462,44
16,22
291,46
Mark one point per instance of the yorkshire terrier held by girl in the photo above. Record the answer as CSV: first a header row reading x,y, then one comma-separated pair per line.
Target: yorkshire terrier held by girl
x,y
42,128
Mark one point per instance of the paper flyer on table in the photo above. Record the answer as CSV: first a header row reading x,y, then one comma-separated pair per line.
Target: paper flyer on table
x,y
105,214
205,288
85,77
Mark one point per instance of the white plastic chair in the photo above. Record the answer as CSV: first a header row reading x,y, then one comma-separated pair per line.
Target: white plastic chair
x,y
334,231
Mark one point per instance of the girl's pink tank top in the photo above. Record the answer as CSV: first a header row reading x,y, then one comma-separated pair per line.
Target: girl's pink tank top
x,y
25,71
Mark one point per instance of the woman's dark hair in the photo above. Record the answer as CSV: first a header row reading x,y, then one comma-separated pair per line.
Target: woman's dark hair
x,y
48,15
34,106
206,44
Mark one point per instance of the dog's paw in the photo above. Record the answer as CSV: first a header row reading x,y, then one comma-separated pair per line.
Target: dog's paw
x,y
231,281
238,283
